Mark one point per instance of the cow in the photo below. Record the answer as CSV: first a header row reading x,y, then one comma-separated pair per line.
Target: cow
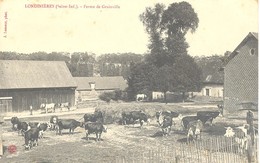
x,y
53,122
70,124
186,120
96,117
31,138
48,107
205,116
14,121
194,130
166,125
63,105
95,127
133,116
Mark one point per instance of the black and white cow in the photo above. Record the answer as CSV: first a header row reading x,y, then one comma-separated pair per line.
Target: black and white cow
x,y
166,125
96,128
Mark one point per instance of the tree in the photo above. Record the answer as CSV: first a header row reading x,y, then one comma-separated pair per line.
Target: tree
x,y
174,69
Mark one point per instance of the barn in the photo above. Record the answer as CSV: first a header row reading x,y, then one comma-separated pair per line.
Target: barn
x,y
30,83
241,75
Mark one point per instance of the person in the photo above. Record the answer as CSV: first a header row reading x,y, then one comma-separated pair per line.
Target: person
x,y
249,117
31,110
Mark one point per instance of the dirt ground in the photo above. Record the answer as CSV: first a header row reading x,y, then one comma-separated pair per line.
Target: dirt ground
x,y
118,141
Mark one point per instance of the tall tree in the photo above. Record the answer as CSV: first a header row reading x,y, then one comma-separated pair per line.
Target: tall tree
x,y
175,69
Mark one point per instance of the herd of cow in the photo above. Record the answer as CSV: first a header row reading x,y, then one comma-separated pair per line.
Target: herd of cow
x,y
94,123
32,131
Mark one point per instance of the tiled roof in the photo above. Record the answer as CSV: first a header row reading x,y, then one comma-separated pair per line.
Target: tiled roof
x,y
101,83
18,74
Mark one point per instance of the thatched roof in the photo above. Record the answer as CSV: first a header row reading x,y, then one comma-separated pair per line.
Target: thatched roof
x,y
18,74
101,83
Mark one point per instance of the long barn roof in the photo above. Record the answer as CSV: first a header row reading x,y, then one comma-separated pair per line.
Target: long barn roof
x,y
20,74
101,83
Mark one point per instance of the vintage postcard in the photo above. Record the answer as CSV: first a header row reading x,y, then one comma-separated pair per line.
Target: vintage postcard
x,y
123,81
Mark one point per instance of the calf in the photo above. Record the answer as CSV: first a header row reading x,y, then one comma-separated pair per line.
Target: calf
x,y
70,124
14,121
31,138
95,127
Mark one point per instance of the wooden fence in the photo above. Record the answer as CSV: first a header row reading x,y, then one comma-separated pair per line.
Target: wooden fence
x,y
212,150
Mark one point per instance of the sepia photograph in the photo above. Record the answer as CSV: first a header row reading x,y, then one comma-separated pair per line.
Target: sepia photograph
x,y
120,81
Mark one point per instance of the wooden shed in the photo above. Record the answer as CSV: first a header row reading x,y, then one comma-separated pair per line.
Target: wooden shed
x,y
30,83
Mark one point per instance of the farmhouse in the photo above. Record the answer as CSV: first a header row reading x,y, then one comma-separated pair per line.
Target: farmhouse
x,y
212,85
241,75
89,88
30,83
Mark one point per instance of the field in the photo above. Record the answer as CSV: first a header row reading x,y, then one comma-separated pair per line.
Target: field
x,y
119,143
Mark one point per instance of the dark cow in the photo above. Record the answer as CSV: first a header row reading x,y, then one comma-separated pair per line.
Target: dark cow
x,y
53,122
95,127
14,121
205,116
166,125
31,138
133,116
70,124
96,117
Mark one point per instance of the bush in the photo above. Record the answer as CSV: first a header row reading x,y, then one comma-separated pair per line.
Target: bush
x,y
106,96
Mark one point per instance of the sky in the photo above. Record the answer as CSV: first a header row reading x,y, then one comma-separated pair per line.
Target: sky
x,y
222,26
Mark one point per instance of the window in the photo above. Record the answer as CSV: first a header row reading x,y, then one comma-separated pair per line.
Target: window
x,y
252,51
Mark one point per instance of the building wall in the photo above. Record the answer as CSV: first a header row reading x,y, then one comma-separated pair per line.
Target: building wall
x,y
214,90
23,98
241,78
